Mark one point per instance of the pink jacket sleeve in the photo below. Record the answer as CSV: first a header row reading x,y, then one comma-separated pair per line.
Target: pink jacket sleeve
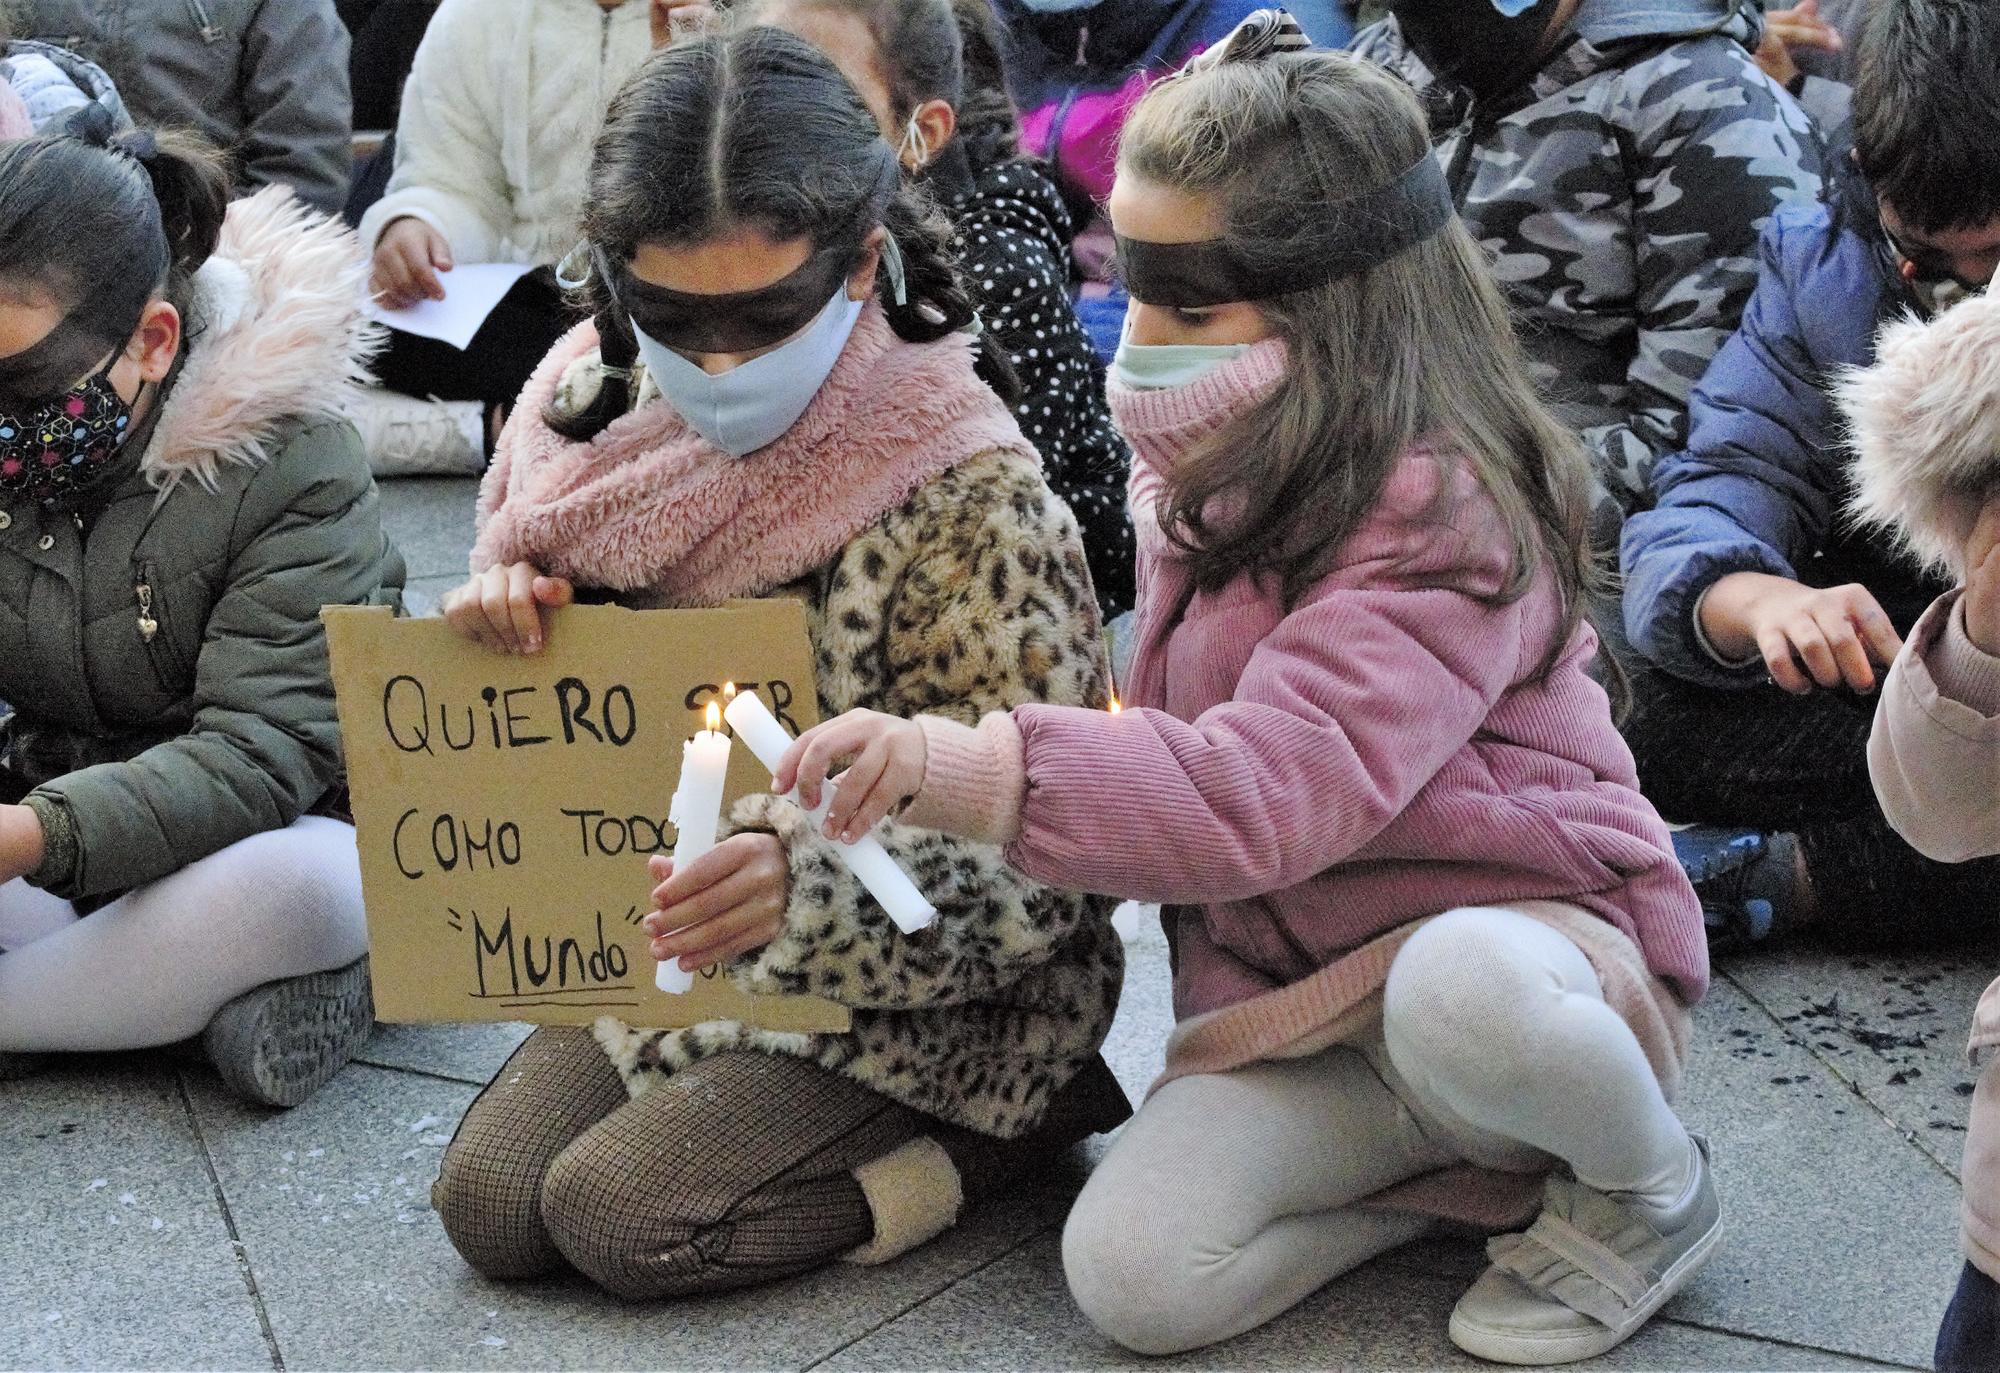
x,y
1935,751
1342,716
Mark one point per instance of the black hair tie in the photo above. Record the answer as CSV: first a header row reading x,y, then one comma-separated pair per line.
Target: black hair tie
x,y
95,126
140,145
92,125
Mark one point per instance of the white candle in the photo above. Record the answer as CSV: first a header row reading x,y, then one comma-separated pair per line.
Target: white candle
x,y
865,858
696,814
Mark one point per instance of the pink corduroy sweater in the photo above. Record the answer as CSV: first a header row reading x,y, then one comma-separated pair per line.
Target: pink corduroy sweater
x,y
1301,784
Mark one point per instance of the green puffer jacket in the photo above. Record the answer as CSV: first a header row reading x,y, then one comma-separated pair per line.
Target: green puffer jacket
x,y
164,658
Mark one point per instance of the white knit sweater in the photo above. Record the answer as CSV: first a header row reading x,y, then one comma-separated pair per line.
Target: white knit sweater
x,y
502,106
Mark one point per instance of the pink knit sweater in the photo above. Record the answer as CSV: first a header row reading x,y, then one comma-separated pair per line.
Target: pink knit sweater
x,y
1305,782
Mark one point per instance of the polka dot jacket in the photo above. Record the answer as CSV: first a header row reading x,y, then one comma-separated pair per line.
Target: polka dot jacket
x,y
1012,238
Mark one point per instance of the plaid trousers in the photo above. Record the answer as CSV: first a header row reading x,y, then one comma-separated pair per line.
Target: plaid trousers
x,y
736,1170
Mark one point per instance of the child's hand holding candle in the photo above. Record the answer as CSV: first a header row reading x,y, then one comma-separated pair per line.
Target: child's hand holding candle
x,y
696,813
729,902
864,856
888,768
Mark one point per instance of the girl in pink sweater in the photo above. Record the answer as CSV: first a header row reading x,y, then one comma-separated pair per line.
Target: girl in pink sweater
x,y
1430,943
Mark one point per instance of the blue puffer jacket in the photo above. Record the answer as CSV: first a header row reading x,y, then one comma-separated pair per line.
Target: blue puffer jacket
x,y
1761,482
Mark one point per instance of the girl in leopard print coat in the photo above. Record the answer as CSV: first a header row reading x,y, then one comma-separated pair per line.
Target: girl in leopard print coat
x,y
894,494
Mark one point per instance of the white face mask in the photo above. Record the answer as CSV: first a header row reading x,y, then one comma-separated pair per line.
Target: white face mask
x,y
1163,366
752,404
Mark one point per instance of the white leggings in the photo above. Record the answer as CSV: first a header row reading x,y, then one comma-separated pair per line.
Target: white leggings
x,y
154,967
1230,1197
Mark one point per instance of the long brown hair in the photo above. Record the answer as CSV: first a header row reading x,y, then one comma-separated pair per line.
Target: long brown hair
x,y
1419,346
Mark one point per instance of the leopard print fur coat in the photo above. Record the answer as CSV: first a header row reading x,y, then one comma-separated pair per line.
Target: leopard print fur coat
x,y
972,596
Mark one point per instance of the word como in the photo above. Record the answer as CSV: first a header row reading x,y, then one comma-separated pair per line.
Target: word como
x,y
519,717
451,842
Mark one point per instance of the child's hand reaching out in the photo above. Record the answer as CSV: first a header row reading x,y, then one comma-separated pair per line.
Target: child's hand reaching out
x,y
730,902
887,770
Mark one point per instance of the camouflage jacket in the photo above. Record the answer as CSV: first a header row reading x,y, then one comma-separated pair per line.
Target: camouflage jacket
x,y
1621,197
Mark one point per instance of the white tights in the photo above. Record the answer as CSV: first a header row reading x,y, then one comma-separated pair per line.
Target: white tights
x,y
1230,1197
154,967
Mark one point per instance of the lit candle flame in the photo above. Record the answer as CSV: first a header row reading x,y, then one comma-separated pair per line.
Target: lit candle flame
x,y
1116,708
714,717
729,691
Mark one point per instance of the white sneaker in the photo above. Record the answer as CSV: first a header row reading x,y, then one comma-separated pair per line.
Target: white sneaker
x,y
408,437
1585,1276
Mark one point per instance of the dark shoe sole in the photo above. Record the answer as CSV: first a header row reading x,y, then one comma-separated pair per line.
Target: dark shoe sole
x,y
282,1042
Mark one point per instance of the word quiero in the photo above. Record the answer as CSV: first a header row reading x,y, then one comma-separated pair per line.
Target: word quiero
x,y
514,718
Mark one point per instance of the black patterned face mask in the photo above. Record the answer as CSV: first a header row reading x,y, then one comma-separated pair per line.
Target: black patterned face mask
x,y
63,445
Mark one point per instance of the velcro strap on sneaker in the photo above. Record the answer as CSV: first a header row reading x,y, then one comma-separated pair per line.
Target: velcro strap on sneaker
x,y
1559,1257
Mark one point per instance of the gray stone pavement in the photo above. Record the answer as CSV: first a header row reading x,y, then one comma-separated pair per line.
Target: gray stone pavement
x,y
148,1220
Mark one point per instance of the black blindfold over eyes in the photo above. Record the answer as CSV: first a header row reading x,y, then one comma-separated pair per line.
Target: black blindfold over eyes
x,y
63,357
738,321
1347,239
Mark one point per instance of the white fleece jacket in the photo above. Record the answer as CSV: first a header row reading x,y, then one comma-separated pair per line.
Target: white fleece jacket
x,y
502,106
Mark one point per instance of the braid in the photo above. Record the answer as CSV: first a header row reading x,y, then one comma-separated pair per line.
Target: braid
x,y
988,124
617,349
939,303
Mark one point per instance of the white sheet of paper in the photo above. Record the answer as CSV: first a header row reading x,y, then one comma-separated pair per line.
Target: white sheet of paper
x,y
471,290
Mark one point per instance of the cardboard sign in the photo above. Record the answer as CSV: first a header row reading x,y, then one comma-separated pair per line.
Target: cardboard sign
x,y
506,806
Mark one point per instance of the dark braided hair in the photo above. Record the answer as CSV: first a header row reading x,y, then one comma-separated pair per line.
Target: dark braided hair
x,y
988,124
755,129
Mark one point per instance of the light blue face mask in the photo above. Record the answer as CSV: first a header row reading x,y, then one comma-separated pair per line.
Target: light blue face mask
x,y
752,404
1162,366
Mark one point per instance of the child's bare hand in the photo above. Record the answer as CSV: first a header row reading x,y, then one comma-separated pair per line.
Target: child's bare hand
x,y
1807,636
1786,31
675,21
1982,581
506,607
408,258
731,901
887,770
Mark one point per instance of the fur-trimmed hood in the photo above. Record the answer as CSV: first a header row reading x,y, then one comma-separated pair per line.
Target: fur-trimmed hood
x,y
1924,422
276,334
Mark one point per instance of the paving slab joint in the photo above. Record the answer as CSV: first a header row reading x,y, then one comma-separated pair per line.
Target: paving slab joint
x,y
236,1245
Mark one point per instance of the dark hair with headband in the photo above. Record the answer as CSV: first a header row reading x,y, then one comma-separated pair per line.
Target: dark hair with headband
x,y
100,223
755,129
1416,344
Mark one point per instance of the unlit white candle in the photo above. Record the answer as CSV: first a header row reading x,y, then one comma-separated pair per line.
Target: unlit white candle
x,y
865,858
696,814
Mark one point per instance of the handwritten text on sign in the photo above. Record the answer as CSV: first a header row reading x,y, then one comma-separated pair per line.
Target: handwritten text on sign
x,y
506,806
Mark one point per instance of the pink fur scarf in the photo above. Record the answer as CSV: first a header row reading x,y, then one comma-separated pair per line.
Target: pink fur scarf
x,y
649,505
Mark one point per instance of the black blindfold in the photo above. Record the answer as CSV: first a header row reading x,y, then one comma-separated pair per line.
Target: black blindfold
x,y
63,357
736,321
1345,239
